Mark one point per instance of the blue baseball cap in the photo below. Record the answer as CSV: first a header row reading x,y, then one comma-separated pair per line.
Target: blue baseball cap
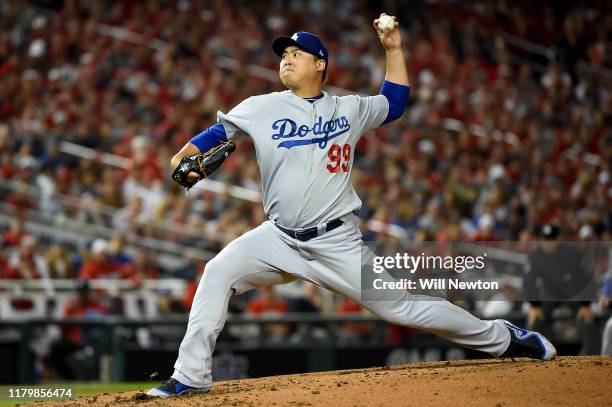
x,y
308,42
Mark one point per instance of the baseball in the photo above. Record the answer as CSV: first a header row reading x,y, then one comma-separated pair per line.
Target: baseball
x,y
386,22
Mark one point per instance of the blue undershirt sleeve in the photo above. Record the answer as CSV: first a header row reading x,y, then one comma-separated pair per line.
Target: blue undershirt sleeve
x,y
209,138
397,95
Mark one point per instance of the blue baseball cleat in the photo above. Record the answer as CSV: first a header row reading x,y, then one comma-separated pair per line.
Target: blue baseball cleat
x,y
172,388
528,344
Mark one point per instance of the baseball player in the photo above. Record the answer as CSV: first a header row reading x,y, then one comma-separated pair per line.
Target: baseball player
x,y
304,140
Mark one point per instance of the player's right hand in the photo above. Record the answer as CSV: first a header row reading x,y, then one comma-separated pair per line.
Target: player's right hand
x,y
391,40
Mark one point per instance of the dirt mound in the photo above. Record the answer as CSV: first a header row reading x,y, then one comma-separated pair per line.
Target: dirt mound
x,y
566,381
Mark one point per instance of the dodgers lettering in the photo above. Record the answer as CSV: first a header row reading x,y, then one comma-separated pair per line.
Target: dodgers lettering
x,y
287,129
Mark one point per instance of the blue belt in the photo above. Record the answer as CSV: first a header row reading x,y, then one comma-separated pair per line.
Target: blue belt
x,y
305,235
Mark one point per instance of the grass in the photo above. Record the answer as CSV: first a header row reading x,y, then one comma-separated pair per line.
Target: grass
x,y
78,389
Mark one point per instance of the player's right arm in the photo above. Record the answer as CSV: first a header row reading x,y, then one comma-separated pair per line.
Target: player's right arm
x,y
396,71
396,87
390,103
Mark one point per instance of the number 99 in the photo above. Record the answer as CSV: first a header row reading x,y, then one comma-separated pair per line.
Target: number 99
x,y
336,155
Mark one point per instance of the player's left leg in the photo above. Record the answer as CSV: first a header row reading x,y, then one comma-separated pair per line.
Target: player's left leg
x,y
339,256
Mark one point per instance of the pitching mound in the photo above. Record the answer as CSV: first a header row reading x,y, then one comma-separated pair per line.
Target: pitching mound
x,y
566,381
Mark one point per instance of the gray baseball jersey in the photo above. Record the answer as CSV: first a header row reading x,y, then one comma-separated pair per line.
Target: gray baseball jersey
x,y
305,154
305,151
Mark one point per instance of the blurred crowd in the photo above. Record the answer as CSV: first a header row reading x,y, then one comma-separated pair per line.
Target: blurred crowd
x,y
499,138
508,129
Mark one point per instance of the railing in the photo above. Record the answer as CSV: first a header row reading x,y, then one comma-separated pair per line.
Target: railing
x,y
19,286
599,71
46,224
113,345
82,204
115,340
73,230
210,185
529,46
79,233
130,36
124,163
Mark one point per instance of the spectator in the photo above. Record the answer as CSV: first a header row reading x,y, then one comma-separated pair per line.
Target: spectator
x,y
72,356
558,273
99,265
309,299
59,263
190,291
141,268
16,232
84,305
269,304
116,250
5,270
26,263
486,226
353,330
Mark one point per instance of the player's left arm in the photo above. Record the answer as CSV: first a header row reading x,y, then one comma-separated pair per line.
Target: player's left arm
x,y
204,142
396,86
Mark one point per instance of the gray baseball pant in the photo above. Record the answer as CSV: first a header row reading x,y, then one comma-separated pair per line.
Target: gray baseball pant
x,y
266,255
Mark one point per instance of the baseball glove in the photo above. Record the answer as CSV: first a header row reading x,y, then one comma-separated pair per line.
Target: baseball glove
x,y
203,164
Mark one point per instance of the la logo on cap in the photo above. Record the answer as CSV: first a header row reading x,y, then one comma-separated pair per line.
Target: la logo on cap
x,y
294,37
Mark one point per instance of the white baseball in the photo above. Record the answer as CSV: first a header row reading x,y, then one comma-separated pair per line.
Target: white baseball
x,y
386,22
